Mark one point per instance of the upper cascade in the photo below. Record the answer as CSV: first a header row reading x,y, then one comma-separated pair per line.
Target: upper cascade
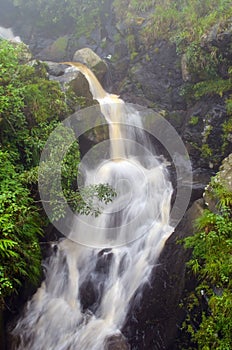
x,y
112,108
95,87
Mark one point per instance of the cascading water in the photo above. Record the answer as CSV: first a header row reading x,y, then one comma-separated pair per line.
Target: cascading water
x,y
121,246
8,34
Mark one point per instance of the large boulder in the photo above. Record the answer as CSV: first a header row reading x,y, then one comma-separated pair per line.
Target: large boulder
x,y
55,69
92,61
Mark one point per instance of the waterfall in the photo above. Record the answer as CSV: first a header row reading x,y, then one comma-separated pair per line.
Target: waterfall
x,y
88,289
8,34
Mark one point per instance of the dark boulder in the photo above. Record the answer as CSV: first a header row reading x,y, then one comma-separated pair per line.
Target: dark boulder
x,y
116,342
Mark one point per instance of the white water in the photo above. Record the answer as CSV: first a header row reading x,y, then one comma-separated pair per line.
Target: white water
x,y
7,33
55,318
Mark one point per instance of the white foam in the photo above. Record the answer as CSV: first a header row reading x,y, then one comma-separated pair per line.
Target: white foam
x,y
8,34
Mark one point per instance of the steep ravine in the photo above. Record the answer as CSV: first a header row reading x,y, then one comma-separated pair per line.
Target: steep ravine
x,y
154,79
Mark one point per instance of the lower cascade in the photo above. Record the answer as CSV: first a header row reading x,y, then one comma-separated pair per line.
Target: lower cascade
x,y
95,274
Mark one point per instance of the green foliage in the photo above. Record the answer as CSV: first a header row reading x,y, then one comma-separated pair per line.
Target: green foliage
x,y
133,55
211,87
30,105
20,227
58,178
206,151
210,326
229,105
194,120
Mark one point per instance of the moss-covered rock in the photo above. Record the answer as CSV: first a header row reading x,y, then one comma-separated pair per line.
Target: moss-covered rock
x,y
56,51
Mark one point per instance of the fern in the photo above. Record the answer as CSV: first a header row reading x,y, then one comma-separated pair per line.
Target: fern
x,y
6,248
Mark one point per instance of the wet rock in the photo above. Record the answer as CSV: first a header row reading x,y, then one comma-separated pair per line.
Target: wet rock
x,y
201,178
91,60
104,261
88,295
74,80
116,342
55,69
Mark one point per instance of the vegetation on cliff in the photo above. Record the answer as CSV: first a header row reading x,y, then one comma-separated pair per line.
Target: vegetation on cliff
x,y
209,306
197,28
30,108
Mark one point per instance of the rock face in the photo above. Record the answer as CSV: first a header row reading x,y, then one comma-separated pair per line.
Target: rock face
x,y
203,134
116,342
92,61
157,77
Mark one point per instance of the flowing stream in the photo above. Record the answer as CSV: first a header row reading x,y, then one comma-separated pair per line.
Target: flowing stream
x,y
89,288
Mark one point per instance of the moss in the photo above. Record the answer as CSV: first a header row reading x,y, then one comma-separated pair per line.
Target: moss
x,y
131,42
133,55
227,133
58,48
147,58
194,120
206,151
